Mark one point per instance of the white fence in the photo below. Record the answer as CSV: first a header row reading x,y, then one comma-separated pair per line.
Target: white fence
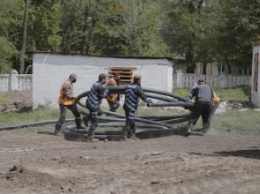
x,y
181,80
15,81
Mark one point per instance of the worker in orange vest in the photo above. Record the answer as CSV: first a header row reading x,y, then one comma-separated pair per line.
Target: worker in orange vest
x,y
67,100
113,99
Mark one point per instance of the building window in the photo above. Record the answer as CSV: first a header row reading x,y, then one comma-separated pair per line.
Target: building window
x,y
126,74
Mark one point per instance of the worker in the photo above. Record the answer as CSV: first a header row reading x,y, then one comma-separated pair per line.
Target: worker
x,y
113,99
133,93
97,92
67,100
202,106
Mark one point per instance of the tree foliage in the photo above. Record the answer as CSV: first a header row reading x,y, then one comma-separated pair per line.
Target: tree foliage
x,y
200,30
11,14
219,31
237,28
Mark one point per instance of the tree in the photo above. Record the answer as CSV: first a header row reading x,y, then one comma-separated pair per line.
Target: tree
x,y
44,31
220,31
112,27
185,28
10,20
24,35
238,27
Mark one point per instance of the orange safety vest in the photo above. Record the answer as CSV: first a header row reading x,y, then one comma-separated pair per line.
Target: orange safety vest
x,y
112,97
215,99
64,99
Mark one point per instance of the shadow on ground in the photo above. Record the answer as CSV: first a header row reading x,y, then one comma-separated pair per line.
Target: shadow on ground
x,y
74,135
249,153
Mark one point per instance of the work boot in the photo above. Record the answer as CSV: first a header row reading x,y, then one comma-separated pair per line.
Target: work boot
x,y
189,130
133,137
204,131
124,133
90,137
57,128
123,137
78,124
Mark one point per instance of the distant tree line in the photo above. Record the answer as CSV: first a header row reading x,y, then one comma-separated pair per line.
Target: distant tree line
x,y
199,30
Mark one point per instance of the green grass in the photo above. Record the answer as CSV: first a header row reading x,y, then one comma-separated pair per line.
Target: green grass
x,y
236,94
237,120
2,99
13,118
230,120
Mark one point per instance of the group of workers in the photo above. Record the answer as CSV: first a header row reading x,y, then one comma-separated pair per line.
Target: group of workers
x,y
206,103
98,91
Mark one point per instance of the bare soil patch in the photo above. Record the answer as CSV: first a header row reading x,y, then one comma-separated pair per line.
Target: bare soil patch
x,y
34,162
15,101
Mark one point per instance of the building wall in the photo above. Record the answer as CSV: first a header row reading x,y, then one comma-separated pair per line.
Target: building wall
x,y
51,70
255,83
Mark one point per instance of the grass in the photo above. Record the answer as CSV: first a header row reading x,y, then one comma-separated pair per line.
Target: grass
x,y
230,120
13,118
234,94
237,120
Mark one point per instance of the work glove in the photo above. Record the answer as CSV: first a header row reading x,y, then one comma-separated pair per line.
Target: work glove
x,y
76,99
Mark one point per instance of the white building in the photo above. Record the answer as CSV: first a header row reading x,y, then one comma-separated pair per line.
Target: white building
x,y
50,70
255,83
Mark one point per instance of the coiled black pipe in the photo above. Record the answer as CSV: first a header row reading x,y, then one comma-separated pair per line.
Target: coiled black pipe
x,y
163,122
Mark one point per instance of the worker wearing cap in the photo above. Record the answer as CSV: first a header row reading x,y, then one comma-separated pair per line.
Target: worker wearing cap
x,y
133,93
95,96
202,106
67,100
113,99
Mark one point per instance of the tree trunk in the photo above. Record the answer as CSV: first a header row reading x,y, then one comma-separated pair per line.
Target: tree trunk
x,y
24,35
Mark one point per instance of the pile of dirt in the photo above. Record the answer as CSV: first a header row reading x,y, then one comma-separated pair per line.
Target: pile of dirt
x,y
15,101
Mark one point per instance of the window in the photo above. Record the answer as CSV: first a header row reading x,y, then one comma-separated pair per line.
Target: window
x,y
126,74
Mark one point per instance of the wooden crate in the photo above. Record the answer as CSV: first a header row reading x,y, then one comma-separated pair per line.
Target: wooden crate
x,y
126,74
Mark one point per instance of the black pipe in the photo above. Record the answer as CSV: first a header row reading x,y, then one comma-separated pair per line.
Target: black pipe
x,y
33,124
138,119
172,104
167,94
165,117
161,98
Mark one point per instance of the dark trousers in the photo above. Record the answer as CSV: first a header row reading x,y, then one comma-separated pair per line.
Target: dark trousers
x,y
93,117
129,128
203,109
113,106
63,112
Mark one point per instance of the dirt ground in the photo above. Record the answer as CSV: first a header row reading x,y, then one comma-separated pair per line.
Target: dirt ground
x,y
15,101
35,161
